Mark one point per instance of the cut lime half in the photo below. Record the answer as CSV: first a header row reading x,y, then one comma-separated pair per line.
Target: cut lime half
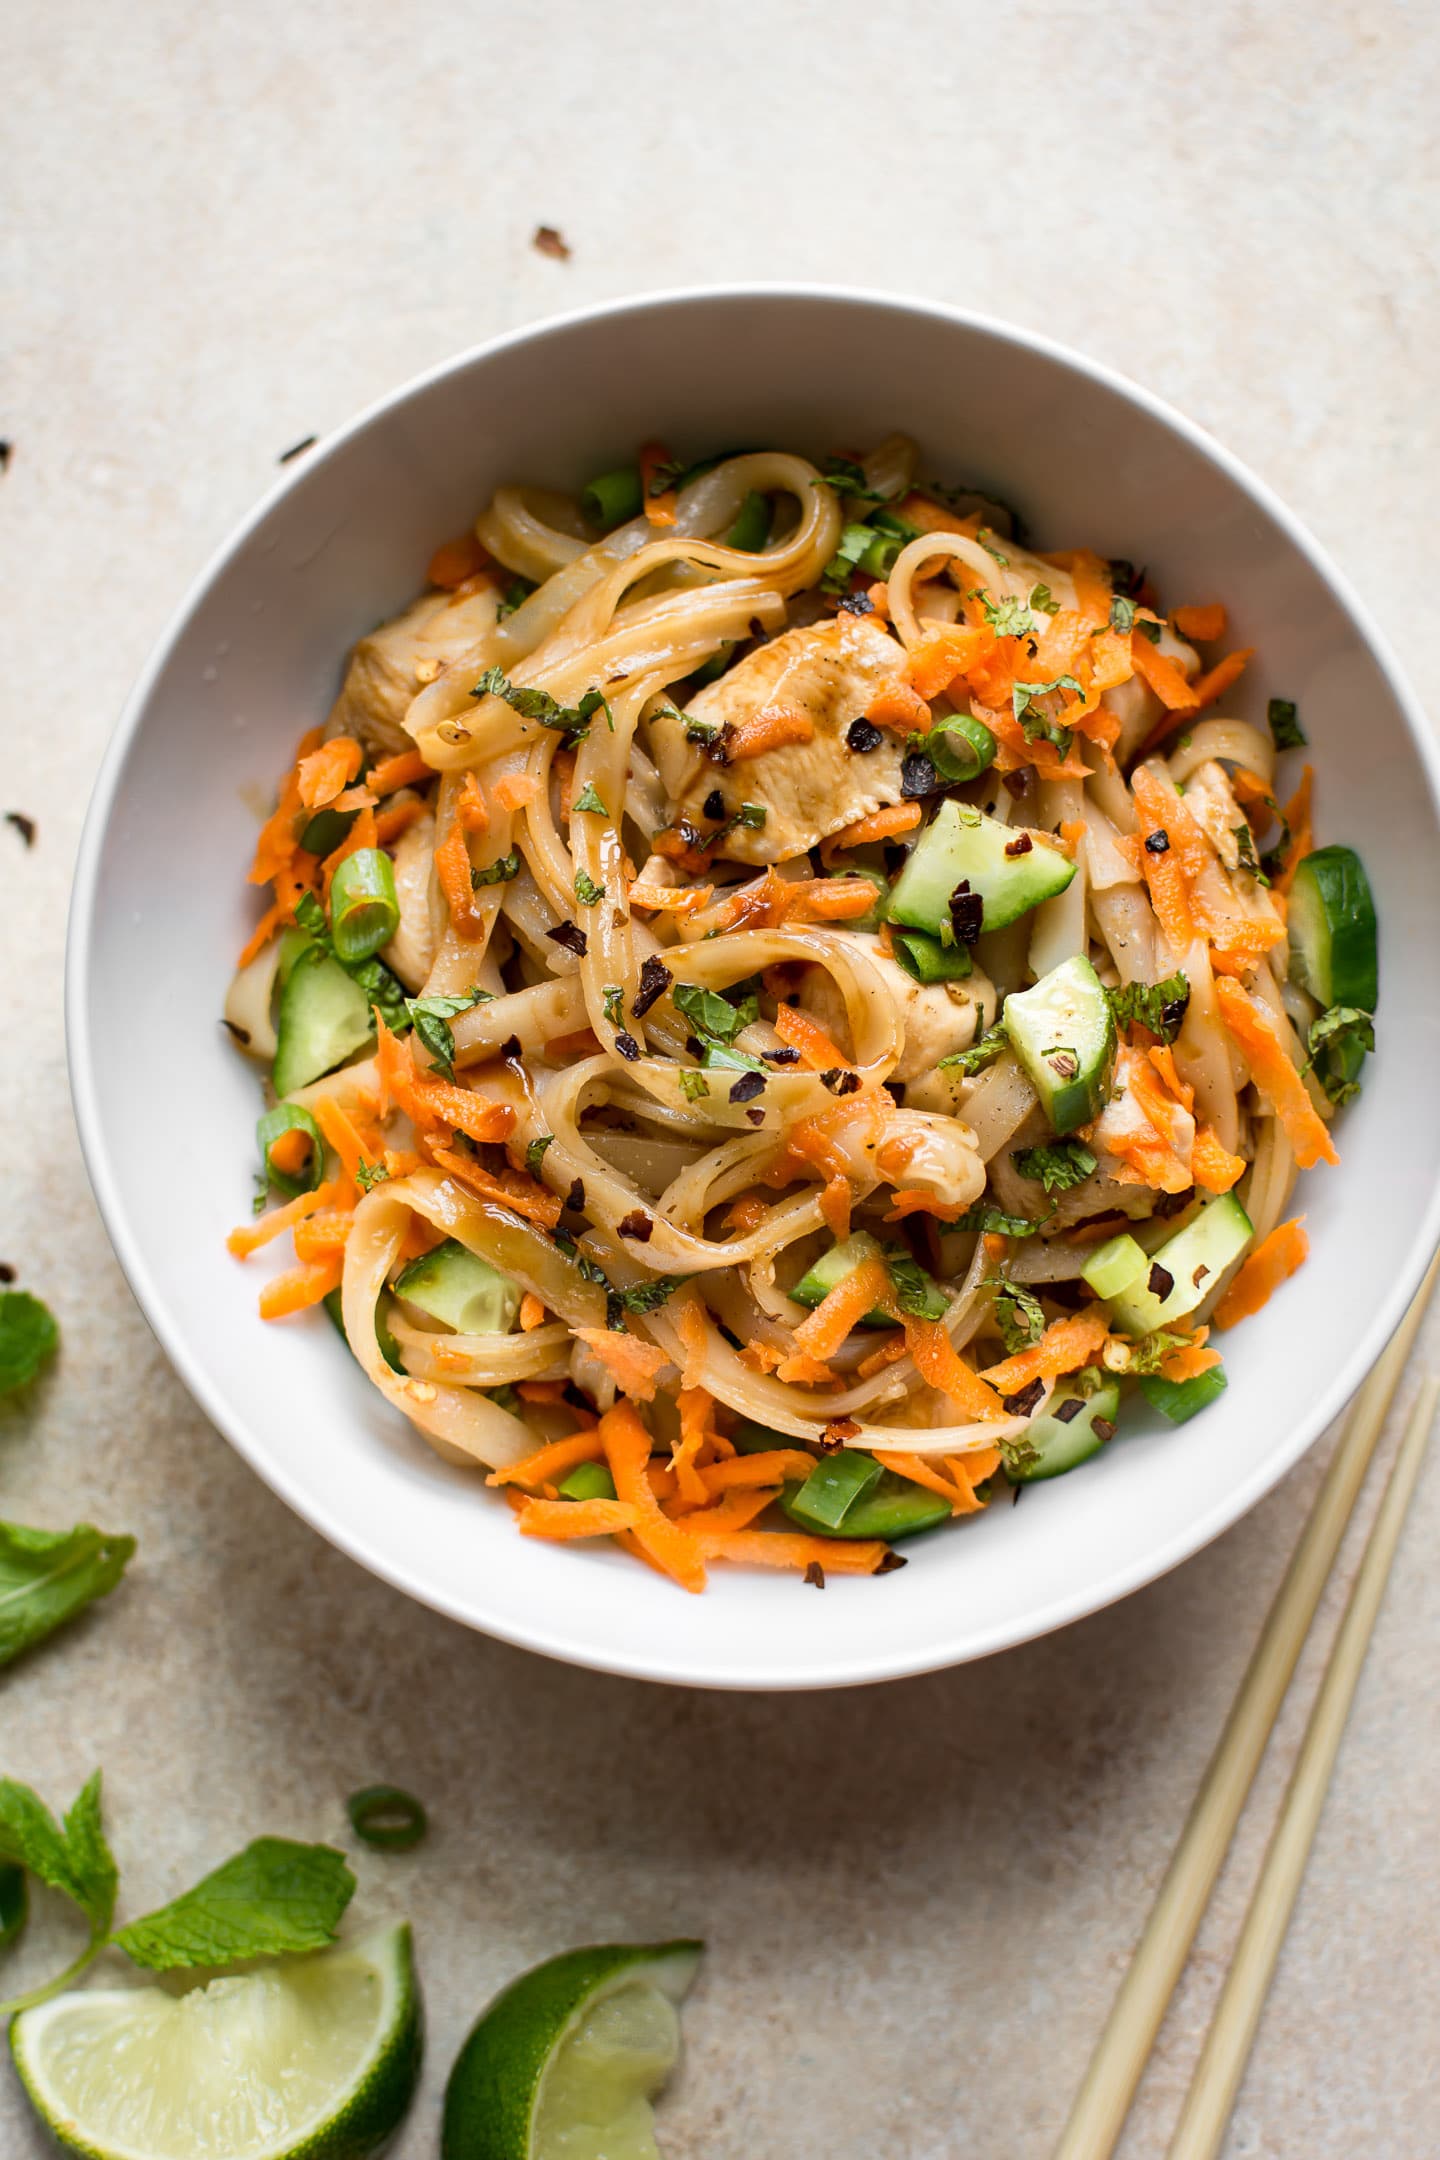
x,y
564,2064
312,2058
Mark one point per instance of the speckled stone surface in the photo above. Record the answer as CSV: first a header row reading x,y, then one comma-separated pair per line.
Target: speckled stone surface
x,y
227,229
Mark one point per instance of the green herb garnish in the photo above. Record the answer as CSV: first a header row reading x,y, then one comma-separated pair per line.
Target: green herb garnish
x,y
535,1153
1018,1313
499,872
693,1083
48,1576
612,997
28,1338
587,892
1340,1040
587,799
1160,1007
532,704
712,1015
1058,1165
1285,730
991,1045
387,1817
431,1016
994,1222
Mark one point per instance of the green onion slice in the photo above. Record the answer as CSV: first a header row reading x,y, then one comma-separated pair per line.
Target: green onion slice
x,y
386,1817
364,912
751,528
290,1117
613,498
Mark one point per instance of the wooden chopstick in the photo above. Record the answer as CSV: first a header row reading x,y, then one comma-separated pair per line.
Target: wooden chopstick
x,y
1124,2046
1227,2047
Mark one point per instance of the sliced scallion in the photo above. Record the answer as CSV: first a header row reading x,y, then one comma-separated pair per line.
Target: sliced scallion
x,y
386,1817
326,830
364,912
287,1118
751,528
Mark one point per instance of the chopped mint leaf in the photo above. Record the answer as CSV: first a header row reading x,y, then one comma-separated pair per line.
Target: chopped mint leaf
x,y
587,799
1160,1007
28,1338
516,593
1018,1313
274,1899
1147,1355
1245,842
612,998
1340,1040
538,705
1122,614
431,1016
535,1153
1057,1166
711,1014
693,1084
915,1292
497,873
1043,601
1285,730
1035,723
993,1044
994,1222
848,478
369,1175
587,892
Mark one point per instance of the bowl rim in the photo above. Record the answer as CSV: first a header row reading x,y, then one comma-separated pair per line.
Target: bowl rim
x,y
540,1634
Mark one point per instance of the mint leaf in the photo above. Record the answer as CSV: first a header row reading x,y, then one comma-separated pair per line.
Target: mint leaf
x,y
711,1014
848,478
1037,727
915,1291
47,1576
991,1045
72,1858
1057,1166
1340,1041
994,1223
431,1017
1122,614
1018,1315
693,1084
1160,1007
271,1900
587,799
587,892
539,705
1148,1354
535,1153
1285,730
498,872
643,1297
28,1337
517,592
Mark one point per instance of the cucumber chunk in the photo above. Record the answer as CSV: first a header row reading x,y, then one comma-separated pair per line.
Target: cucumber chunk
x,y
1334,951
832,1267
389,1348
1063,1438
961,845
833,1487
1063,1033
455,1285
928,960
324,1018
1179,1400
1192,1260
1115,1265
893,1508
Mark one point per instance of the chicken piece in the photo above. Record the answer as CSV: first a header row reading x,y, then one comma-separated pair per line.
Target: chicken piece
x,y
393,663
1100,1194
938,1018
828,672
411,952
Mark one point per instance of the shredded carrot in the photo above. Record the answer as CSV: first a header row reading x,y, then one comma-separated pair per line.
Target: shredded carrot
x,y
771,728
843,1307
471,809
404,768
836,1202
627,1449
1165,871
397,818
880,825
452,868
785,1549
1254,1029
551,1462
838,899
772,1467
456,561
261,935
327,770
542,1391
1202,625
1094,588
1162,674
532,1312
300,1287
671,899
1188,1360
344,1136
1211,1164
1302,837
1068,1343
512,791
1213,684
761,1357
802,1370
936,661
322,1236
249,1237
921,1472
633,1363
979,1464
899,707
889,1353
940,1363
743,1216
1273,1262
566,1519
697,1408
510,1189
805,1035
659,503
1016,750
694,1333
931,516
733,1511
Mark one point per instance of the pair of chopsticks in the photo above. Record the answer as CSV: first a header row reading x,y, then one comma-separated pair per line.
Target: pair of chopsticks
x,y
1124,2046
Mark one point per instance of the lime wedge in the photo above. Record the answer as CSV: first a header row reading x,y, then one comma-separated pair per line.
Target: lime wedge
x,y
564,2064
310,2056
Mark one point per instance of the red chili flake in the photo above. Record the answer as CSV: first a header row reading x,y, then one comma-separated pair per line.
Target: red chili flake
x,y
550,241
839,1430
815,1575
25,826
890,1562
1020,845
638,1225
298,449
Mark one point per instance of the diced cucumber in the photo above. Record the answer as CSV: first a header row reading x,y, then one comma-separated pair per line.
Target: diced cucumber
x,y
1063,1033
833,1487
1181,1399
1064,1437
893,1508
587,1481
1192,1260
928,960
455,1285
324,1018
832,1267
1115,1265
1333,940
963,846
748,1438
389,1348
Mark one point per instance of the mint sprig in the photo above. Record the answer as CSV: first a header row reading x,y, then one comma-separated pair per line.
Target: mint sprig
x,y
48,1576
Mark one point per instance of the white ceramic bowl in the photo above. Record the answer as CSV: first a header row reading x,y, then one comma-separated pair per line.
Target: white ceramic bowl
x,y
161,907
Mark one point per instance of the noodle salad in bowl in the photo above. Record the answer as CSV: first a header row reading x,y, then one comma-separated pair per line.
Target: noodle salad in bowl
x,y
783,1010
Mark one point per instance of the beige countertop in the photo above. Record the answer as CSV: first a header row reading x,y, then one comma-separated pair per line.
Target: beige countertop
x,y
227,230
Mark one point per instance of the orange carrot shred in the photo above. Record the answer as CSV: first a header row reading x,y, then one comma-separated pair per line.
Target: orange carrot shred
x,y
800,1032
513,790
659,502
633,1363
456,561
843,1307
404,768
300,1287
249,1237
773,727
627,1449
327,770
1068,1343
551,1462
566,1519
532,1312
1202,625
940,1363
1254,1029
1273,1262
880,825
